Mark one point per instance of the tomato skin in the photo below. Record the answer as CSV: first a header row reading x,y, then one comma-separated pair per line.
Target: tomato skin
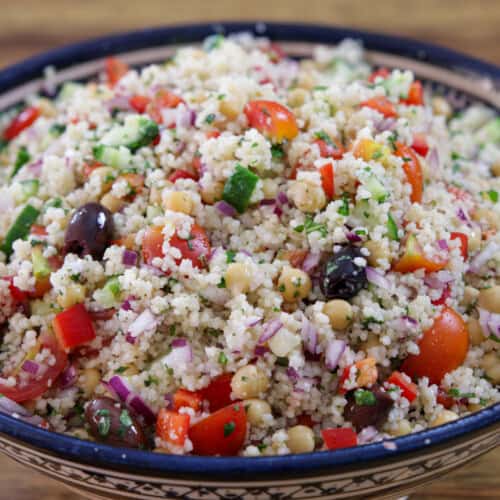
x,y
115,70
172,426
139,102
414,258
415,95
335,150
382,105
328,180
343,437
271,119
163,99
18,296
152,244
22,121
443,298
221,433
305,420
408,389
443,348
73,327
181,174
444,399
381,72
464,242
31,389
413,171
218,392
183,398
420,145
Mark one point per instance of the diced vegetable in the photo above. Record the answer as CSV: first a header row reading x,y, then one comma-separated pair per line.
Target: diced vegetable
x,y
172,427
420,145
41,267
22,158
22,121
415,94
392,228
239,188
414,258
136,132
464,243
376,188
489,132
443,348
73,327
109,293
30,188
371,150
272,119
20,228
328,180
218,392
118,157
181,174
381,73
382,105
366,374
328,147
408,389
139,103
115,70
343,437
185,398
413,171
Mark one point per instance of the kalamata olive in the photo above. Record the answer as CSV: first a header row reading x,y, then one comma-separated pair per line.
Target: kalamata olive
x,y
89,231
368,407
111,423
341,277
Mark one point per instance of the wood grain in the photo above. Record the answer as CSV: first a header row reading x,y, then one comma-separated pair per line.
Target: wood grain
x,y
471,26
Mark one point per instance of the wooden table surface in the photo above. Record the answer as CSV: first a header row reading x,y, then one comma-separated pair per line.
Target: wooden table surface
x,y
470,26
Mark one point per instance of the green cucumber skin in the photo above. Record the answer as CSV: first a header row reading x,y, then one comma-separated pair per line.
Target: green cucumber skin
x,y
20,228
239,188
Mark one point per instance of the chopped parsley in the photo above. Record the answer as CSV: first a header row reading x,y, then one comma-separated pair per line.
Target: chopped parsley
x,y
213,332
230,255
222,358
377,154
57,129
344,208
277,152
212,42
455,393
151,380
104,423
493,195
364,397
282,361
210,118
310,226
22,158
229,428
323,136
222,283
121,369
393,139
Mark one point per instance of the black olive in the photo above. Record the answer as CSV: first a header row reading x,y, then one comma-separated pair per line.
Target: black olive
x,y
89,231
341,277
368,407
111,423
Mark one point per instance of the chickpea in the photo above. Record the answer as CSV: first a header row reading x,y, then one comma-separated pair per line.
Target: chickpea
x,y
378,251
491,366
238,278
495,169
178,201
474,240
486,216
294,284
211,193
73,294
441,106
256,410
230,108
307,197
402,428
269,188
339,313
112,203
489,299
443,418
470,296
475,331
300,439
249,382
91,378
297,97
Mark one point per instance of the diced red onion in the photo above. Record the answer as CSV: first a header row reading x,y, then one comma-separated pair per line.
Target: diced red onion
x,y
179,355
68,377
30,367
129,257
136,403
103,314
145,321
353,237
333,353
410,320
192,117
267,202
309,336
17,411
311,261
292,373
225,208
253,321
245,252
385,124
169,398
35,168
179,342
433,160
282,198
462,215
184,117
127,305
260,350
491,250
278,211
490,323
443,244
376,278
269,329
130,339
118,102
367,435
119,387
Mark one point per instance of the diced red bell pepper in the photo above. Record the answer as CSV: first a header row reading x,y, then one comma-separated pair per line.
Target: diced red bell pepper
x,y
139,102
218,392
331,149
183,398
420,145
343,437
328,180
382,105
18,296
444,399
181,174
38,230
115,70
464,243
408,389
73,327
413,171
415,94
164,99
172,427
379,73
443,298
22,121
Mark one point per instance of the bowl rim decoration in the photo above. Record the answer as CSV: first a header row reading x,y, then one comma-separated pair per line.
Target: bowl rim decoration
x,y
482,81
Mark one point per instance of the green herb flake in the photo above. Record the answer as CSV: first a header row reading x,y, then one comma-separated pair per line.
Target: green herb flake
x,y
230,255
364,397
121,369
229,428
493,195
344,208
151,380
222,358
323,136
210,118
310,226
57,129
392,228
222,283
282,361
22,158
277,152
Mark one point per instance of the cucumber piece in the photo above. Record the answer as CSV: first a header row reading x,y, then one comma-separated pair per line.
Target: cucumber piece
x,y
41,268
109,293
119,157
30,188
68,90
136,132
22,158
20,228
392,228
489,132
239,188
376,188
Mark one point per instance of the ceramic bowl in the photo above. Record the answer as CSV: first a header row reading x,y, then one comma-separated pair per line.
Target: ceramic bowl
x,y
384,469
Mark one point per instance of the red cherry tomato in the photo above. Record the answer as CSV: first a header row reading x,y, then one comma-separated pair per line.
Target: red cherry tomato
x,y
30,386
444,399
408,389
181,174
73,327
183,398
414,258
379,73
22,121
328,180
343,437
420,145
443,348
152,243
218,392
139,102
413,171
382,105
221,433
464,243
415,94
172,426
272,119
115,70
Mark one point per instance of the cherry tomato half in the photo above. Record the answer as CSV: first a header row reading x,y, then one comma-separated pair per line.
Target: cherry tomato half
x,y
414,258
218,392
413,171
22,121
420,145
443,348
115,70
139,102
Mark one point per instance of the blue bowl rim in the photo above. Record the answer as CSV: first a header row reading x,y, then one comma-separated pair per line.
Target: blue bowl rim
x,y
231,468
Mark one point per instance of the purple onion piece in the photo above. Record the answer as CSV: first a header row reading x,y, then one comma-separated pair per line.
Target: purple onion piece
x,y
68,377
179,342
353,237
309,336
269,329
30,367
292,373
225,208
376,278
253,321
267,202
119,387
333,353
260,350
311,261
137,404
129,257
443,244
282,198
